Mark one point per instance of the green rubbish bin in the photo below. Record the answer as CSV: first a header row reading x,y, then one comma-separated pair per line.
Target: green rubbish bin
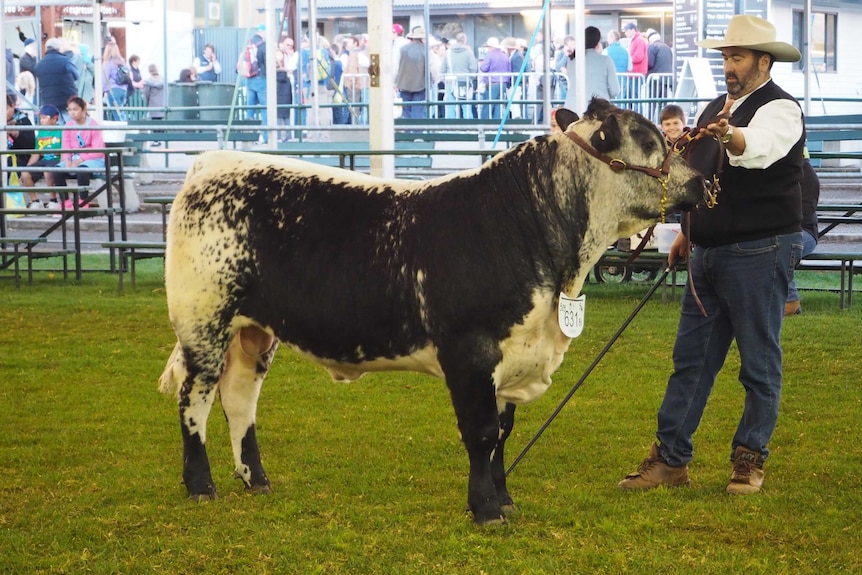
x,y
182,95
212,94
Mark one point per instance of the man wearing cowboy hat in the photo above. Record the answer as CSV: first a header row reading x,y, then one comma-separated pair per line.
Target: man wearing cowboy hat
x,y
745,248
410,80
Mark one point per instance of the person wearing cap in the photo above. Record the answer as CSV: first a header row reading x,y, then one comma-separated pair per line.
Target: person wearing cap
x,y
411,78
499,69
459,70
637,49
27,62
48,138
745,247
57,76
398,42
659,61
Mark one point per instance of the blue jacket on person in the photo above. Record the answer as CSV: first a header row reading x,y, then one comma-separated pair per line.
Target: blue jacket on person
x,y
58,77
10,73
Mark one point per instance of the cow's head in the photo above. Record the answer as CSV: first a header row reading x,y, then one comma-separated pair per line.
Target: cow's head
x,y
655,180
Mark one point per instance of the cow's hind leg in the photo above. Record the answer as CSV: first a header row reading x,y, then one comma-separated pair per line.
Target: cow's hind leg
x,y
498,468
199,373
248,359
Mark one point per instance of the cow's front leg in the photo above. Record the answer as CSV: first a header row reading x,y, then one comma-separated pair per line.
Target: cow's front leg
x,y
498,466
248,359
473,398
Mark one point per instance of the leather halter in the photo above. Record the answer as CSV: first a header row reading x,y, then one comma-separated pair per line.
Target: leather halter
x,y
661,175
618,165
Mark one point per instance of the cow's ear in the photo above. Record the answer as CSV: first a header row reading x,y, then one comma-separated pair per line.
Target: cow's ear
x,y
608,137
565,117
600,109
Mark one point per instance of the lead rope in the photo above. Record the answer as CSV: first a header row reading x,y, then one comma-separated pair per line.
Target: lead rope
x,y
689,252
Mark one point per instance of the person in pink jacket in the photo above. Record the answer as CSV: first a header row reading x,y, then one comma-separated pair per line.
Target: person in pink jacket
x,y
80,138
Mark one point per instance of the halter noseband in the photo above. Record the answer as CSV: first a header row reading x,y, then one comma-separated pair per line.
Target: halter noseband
x,y
661,175
618,165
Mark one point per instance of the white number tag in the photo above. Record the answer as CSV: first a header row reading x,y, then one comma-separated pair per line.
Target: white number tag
x,y
571,314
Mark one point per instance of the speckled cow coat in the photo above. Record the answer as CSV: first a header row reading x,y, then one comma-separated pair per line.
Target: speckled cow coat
x,y
457,277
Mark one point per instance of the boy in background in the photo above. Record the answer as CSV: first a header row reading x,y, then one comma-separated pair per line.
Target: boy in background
x,y
47,139
673,123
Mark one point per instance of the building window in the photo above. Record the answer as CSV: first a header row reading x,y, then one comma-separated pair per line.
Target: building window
x,y
824,28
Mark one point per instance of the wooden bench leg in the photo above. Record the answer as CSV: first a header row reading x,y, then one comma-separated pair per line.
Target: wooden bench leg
x,y
132,267
17,269
30,266
122,254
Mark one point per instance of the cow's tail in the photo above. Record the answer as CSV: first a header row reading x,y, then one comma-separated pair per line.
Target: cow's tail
x,y
174,374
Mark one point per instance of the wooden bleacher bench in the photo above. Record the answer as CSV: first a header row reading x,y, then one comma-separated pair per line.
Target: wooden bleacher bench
x,y
822,130
13,249
131,251
828,256
349,156
462,130
842,257
192,131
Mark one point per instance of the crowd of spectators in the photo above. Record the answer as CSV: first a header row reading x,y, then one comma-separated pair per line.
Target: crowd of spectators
x,y
467,78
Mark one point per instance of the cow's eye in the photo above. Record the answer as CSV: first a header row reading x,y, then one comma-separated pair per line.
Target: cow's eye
x,y
650,146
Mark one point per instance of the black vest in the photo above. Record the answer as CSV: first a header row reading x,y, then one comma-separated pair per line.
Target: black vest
x,y
753,203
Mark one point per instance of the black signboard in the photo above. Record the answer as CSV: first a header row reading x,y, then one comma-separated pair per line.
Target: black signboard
x,y
717,15
685,23
696,20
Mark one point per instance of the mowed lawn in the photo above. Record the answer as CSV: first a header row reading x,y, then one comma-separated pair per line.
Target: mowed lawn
x,y
370,477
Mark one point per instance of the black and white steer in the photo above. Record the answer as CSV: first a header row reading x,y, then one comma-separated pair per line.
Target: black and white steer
x,y
458,277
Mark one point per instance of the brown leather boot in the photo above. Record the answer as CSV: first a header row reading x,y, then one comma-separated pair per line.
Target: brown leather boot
x,y
654,471
747,475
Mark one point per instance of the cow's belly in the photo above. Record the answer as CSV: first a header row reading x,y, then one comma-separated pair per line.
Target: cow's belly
x,y
422,361
531,354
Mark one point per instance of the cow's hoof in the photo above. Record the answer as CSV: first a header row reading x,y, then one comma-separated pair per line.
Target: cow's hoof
x,y
259,489
510,510
490,522
198,497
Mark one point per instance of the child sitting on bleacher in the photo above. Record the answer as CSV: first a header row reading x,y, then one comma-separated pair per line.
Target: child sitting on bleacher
x,y
80,139
47,138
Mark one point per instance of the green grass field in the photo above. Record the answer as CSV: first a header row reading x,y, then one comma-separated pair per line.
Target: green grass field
x,y
370,477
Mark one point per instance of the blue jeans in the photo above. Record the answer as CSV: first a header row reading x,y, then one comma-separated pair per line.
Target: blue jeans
x,y
496,92
461,109
808,245
413,111
116,100
255,89
742,287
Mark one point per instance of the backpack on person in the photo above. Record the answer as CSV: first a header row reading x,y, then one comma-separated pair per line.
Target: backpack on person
x,y
322,66
248,66
123,76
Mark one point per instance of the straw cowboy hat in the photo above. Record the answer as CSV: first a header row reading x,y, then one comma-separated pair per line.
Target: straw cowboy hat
x,y
418,33
754,33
